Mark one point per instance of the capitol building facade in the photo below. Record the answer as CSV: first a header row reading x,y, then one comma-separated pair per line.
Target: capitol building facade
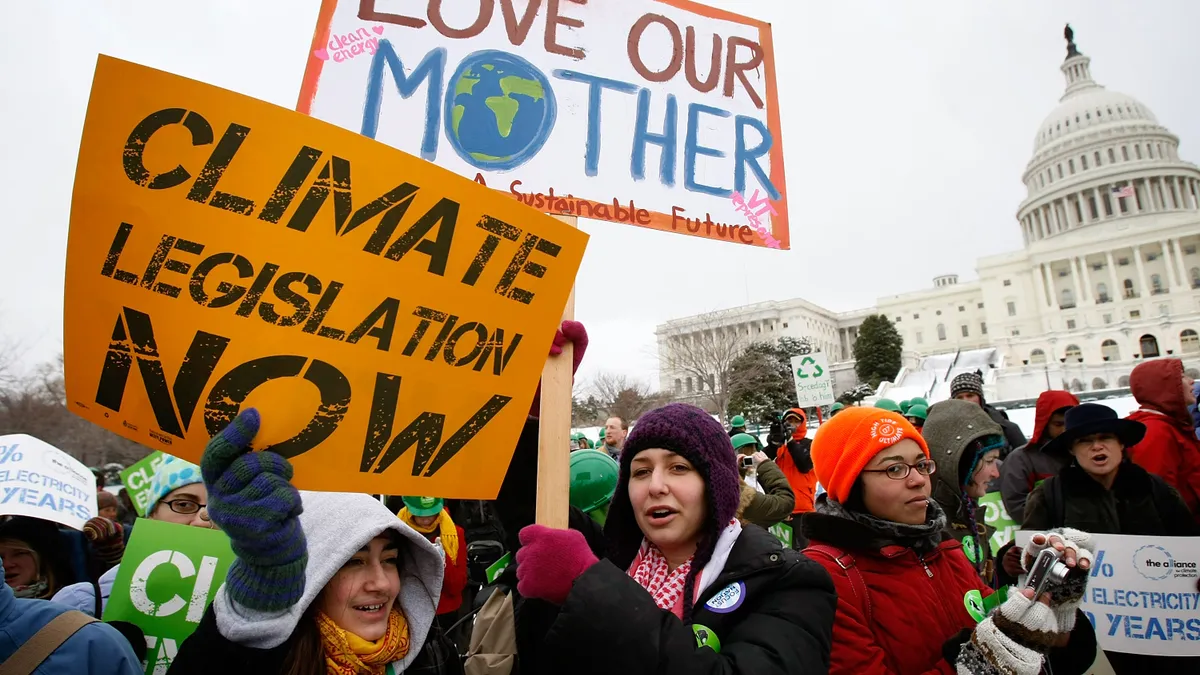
x,y
1109,274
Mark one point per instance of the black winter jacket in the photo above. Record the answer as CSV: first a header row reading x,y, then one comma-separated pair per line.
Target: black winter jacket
x,y
770,612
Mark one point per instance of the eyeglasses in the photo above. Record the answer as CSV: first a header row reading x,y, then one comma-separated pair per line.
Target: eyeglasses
x,y
184,507
900,471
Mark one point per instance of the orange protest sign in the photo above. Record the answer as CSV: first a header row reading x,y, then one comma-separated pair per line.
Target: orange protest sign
x,y
388,318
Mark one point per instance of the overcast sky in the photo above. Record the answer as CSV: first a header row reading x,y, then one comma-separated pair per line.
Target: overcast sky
x,y
906,124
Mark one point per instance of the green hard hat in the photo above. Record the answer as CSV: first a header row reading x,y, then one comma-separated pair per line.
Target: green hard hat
x,y
737,421
905,405
836,407
917,401
423,506
602,430
887,404
742,440
593,479
919,411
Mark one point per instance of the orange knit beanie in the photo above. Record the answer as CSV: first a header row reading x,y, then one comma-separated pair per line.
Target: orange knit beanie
x,y
850,440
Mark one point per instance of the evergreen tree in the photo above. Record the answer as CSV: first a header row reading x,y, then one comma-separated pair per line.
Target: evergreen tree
x,y
877,351
761,378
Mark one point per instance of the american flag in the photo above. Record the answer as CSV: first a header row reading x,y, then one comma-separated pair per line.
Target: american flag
x,y
1126,191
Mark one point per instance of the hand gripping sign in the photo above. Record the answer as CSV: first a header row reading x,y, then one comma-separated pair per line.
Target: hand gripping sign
x,y
168,576
388,318
41,481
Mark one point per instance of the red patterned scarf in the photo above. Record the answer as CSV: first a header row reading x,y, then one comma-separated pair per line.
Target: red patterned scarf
x,y
652,572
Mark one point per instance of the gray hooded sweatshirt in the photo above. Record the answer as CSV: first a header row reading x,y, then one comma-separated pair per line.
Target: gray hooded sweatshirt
x,y
337,525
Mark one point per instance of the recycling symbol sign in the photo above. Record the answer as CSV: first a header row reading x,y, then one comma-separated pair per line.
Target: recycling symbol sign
x,y
814,384
809,368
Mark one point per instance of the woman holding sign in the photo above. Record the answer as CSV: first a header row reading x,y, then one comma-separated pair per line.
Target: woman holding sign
x,y
909,601
672,583
177,495
1103,491
324,582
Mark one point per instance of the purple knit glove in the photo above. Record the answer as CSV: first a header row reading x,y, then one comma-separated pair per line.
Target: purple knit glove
x,y
550,561
251,499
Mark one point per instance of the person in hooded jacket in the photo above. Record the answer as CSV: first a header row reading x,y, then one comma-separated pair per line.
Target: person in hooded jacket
x,y
966,444
324,583
902,581
1032,463
1105,493
795,461
1170,449
672,584
969,387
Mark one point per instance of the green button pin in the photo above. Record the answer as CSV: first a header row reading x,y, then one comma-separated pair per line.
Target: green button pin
x,y
705,637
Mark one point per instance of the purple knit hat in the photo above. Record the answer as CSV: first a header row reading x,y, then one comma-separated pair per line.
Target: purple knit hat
x,y
696,436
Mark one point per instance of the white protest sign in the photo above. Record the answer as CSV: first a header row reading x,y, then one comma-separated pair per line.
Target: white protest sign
x,y
41,481
1142,595
662,114
814,383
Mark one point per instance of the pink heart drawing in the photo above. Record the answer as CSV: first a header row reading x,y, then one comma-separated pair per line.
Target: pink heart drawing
x,y
321,53
378,30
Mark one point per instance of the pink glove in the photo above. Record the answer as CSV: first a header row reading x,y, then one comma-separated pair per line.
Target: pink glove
x,y
576,334
550,561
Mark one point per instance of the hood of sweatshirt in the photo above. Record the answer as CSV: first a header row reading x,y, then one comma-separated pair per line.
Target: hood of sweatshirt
x,y
337,525
950,427
1048,403
1158,385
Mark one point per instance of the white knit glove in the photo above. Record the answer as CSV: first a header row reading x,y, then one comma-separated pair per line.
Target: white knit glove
x,y
1065,598
1011,640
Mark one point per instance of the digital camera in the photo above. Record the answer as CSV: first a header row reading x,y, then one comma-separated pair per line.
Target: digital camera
x,y
1047,570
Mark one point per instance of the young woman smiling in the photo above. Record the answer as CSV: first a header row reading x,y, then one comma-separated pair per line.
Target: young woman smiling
x,y
324,583
672,584
902,581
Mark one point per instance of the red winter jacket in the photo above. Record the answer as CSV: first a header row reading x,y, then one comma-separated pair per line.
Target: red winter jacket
x,y
456,574
916,602
1170,449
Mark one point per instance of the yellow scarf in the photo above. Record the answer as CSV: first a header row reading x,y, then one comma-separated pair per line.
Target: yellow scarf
x,y
447,531
348,654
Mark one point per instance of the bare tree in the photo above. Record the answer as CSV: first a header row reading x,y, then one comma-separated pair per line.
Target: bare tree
x,y
36,405
703,351
624,397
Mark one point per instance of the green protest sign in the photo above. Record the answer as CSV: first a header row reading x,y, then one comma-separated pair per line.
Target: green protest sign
x,y
137,478
168,576
783,532
497,568
997,517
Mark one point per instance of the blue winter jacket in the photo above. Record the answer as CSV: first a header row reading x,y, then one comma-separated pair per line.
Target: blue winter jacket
x,y
97,649
1196,407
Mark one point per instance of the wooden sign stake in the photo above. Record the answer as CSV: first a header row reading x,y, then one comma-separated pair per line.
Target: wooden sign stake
x,y
554,430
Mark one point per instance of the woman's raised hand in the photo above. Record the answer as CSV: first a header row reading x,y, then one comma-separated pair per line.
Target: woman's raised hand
x,y
251,498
